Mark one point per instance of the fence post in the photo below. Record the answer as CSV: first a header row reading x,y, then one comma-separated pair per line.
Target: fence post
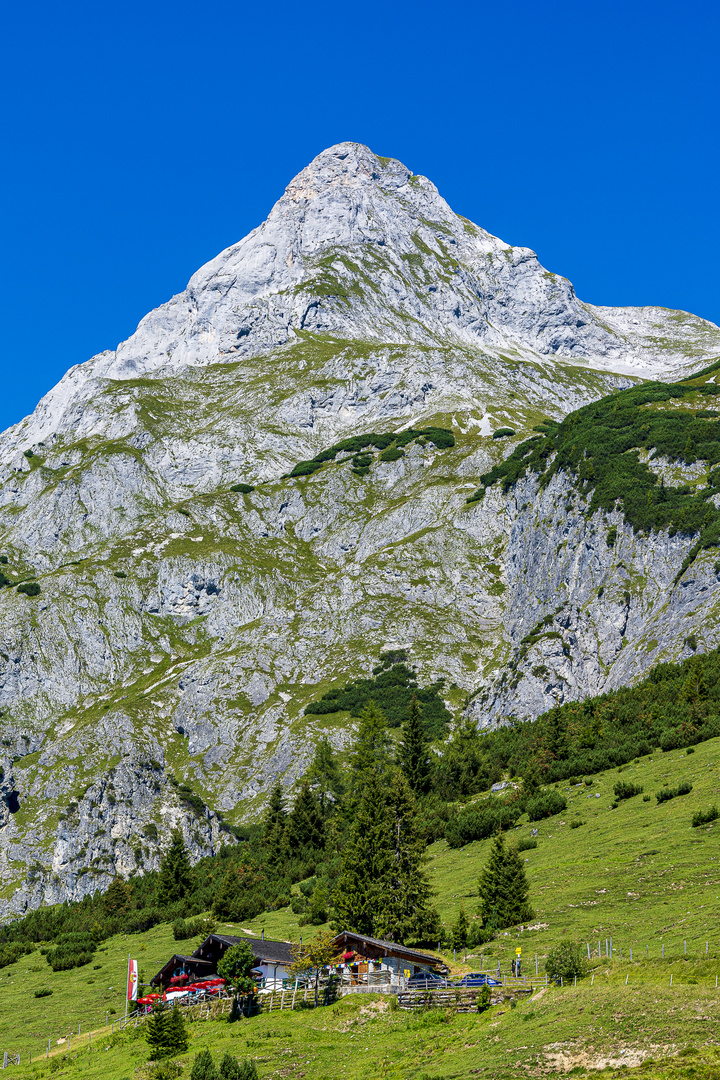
x,y
685,944
592,978
671,978
663,948
588,949
627,977
294,993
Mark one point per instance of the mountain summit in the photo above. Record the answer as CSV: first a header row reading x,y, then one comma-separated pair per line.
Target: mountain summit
x,y
249,500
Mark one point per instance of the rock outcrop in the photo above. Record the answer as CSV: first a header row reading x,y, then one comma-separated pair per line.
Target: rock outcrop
x,y
182,627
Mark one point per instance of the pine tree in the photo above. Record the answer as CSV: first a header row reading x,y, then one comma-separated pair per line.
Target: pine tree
x,y
365,861
413,757
117,898
504,889
175,876
248,1070
229,1067
325,778
370,755
404,888
274,825
176,1036
382,889
204,1067
305,829
156,1029
460,929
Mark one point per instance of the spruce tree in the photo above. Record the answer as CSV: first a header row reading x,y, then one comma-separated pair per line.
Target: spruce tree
x,y
274,825
413,757
175,876
204,1067
365,861
404,894
156,1029
460,929
370,754
176,1036
382,889
305,829
325,778
229,1067
117,898
504,889
248,1070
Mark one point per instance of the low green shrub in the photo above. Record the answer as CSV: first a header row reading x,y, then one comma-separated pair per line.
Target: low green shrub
x,y
44,991
625,790
547,804
30,588
576,824
119,573
527,843
665,794
566,961
502,432
244,489
704,817
393,453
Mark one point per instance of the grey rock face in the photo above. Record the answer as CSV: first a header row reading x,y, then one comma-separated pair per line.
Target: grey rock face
x,y
182,628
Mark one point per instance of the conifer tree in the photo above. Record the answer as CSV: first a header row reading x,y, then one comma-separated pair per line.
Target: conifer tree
x,y
325,778
117,898
156,1029
175,876
229,1067
305,829
274,825
370,755
365,861
176,1036
382,889
204,1067
405,890
413,757
504,890
460,929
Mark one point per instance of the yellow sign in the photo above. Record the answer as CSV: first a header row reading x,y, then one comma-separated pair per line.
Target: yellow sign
x,y
518,951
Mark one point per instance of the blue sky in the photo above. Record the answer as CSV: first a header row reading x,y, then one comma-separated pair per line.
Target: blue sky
x,y
139,139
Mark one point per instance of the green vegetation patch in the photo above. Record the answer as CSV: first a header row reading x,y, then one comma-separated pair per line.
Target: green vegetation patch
x,y
391,688
600,446
677,705
391,447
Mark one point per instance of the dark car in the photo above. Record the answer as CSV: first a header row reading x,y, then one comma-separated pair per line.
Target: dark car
x,y
425,980
476,978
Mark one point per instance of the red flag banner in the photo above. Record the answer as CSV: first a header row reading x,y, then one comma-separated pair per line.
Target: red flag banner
x,y
132,980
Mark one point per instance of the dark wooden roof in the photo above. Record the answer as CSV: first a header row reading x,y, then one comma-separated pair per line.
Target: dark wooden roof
x,y
264,950
388,948
193,962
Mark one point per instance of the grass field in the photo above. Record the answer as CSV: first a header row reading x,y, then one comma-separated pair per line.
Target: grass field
x,y
638,874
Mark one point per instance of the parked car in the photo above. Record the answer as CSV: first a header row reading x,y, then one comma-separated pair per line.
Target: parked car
x,y
476,978
425,980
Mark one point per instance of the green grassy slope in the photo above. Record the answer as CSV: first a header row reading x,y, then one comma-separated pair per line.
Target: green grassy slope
x,y
639,874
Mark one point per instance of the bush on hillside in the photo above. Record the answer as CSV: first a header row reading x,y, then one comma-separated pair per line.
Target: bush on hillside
x,y
502,432
30,588
546,805
527,843
566,961
704,817
244,489
665,794
480,822
625,790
